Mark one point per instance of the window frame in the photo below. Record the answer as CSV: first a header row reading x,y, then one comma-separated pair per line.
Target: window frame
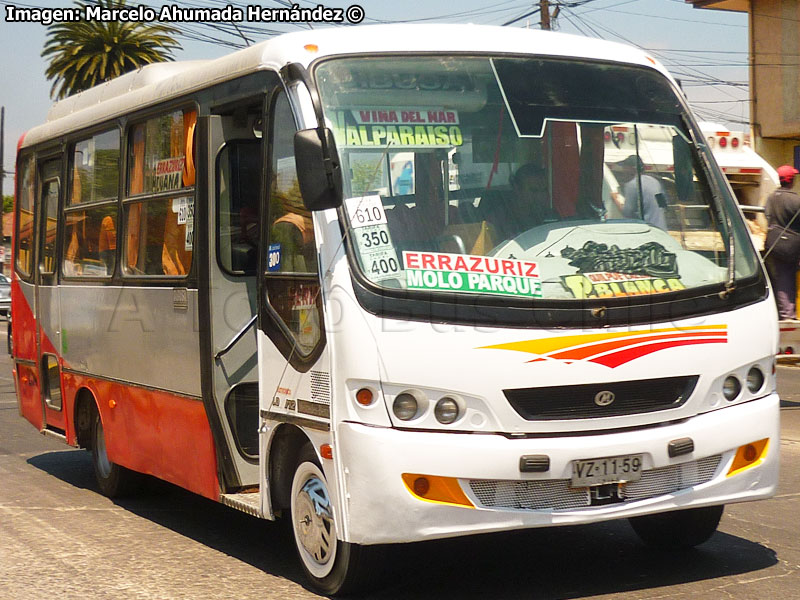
x,y
127,199
30,158
69,208
270,321
40,276
218,206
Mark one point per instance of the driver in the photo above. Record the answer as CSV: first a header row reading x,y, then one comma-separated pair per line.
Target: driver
x,y
530,204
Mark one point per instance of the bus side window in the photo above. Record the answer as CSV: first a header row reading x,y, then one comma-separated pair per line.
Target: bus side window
x,y
50,190
238,184
159,229
90,234
26,198
292,280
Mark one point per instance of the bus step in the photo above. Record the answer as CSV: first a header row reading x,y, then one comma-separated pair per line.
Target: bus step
x,y
53,432
249,503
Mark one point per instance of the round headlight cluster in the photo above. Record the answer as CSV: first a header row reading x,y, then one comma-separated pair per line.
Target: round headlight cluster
x,y
731,388
411,405
446,410
755,379
405,406
732,385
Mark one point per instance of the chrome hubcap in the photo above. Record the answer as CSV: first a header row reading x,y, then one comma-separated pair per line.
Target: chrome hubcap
x,y
314,520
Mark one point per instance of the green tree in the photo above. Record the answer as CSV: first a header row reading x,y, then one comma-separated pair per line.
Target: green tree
x,y
83,54
8,203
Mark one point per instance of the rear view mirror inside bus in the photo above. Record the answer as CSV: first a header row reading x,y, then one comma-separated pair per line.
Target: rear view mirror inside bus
x,y
318,171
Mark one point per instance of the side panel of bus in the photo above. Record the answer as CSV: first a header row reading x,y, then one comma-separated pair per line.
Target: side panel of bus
x,y
119,308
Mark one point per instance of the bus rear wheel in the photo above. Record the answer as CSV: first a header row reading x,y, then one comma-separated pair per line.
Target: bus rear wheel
x,y
332,566
678,529
113,480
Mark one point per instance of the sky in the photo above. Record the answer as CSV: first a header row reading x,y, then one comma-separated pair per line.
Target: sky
x,y
706,50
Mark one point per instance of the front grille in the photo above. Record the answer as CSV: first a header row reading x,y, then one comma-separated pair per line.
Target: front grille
x,y
581,401
556,494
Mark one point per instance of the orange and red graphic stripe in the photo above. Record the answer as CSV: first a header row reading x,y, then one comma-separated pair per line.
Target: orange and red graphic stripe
x,y
616,348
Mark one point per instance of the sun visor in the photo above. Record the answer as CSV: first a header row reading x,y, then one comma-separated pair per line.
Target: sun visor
x,y
537,91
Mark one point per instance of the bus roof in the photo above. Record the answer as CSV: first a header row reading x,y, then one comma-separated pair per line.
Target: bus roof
x,y
156,83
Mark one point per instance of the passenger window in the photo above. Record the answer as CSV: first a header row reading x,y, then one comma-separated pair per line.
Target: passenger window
x,y
95,169
90,233
51,187
26,196
161,153
291,239
159,211
238,184
90,242
292,279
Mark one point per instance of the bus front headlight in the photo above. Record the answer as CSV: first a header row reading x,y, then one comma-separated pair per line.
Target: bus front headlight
x,y
447,410
405,406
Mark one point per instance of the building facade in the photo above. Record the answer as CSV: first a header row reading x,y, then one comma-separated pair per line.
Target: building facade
x,y
774,51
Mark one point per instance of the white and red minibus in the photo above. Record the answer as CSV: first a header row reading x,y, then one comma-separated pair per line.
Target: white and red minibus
x,y
392,283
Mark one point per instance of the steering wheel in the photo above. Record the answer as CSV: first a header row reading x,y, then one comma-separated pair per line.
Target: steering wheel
x,y
452,237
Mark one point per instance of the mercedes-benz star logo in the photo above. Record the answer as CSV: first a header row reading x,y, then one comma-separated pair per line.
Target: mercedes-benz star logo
x,y
604,398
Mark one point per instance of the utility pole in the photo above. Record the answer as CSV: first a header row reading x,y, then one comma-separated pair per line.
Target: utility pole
x,y
544,10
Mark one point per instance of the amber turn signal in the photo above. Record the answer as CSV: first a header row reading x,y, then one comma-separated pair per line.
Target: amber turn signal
x,y
364,397
432,488
749,455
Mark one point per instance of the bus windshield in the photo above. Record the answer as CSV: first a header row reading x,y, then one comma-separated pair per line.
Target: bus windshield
x,y
526,177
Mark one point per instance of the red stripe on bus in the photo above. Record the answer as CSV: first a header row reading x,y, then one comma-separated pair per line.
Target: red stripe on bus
x,y
622,356
602,347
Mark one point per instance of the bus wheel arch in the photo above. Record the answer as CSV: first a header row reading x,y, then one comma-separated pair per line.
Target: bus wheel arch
x,y
285,447
85,407
333,567
113,480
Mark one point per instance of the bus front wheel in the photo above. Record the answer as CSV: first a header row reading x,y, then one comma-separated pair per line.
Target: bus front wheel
x,y
113,480
678,529
332,566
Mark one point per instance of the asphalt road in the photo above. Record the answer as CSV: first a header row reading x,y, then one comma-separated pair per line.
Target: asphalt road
x,y
59,538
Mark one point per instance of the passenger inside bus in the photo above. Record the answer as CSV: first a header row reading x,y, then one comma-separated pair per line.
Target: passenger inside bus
x,y
641,196
107,243
72,256
293,230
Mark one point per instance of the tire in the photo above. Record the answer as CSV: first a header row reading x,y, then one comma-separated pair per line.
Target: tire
x,y
333,567
113,480
679,529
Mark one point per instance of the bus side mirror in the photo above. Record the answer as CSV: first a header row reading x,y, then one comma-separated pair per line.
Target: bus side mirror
x,y
318,171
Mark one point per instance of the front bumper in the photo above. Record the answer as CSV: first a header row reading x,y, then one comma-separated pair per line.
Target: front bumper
x,y
379,508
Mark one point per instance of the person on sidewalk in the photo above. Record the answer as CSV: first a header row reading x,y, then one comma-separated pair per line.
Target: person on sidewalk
x,y
783,218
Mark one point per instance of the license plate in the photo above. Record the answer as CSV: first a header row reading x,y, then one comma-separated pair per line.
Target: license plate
x,y
613,469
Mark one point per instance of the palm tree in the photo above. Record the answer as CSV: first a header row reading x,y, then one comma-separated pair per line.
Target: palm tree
x,y
83,54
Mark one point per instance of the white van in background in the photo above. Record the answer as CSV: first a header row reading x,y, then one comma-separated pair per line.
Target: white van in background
x,y
751,177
